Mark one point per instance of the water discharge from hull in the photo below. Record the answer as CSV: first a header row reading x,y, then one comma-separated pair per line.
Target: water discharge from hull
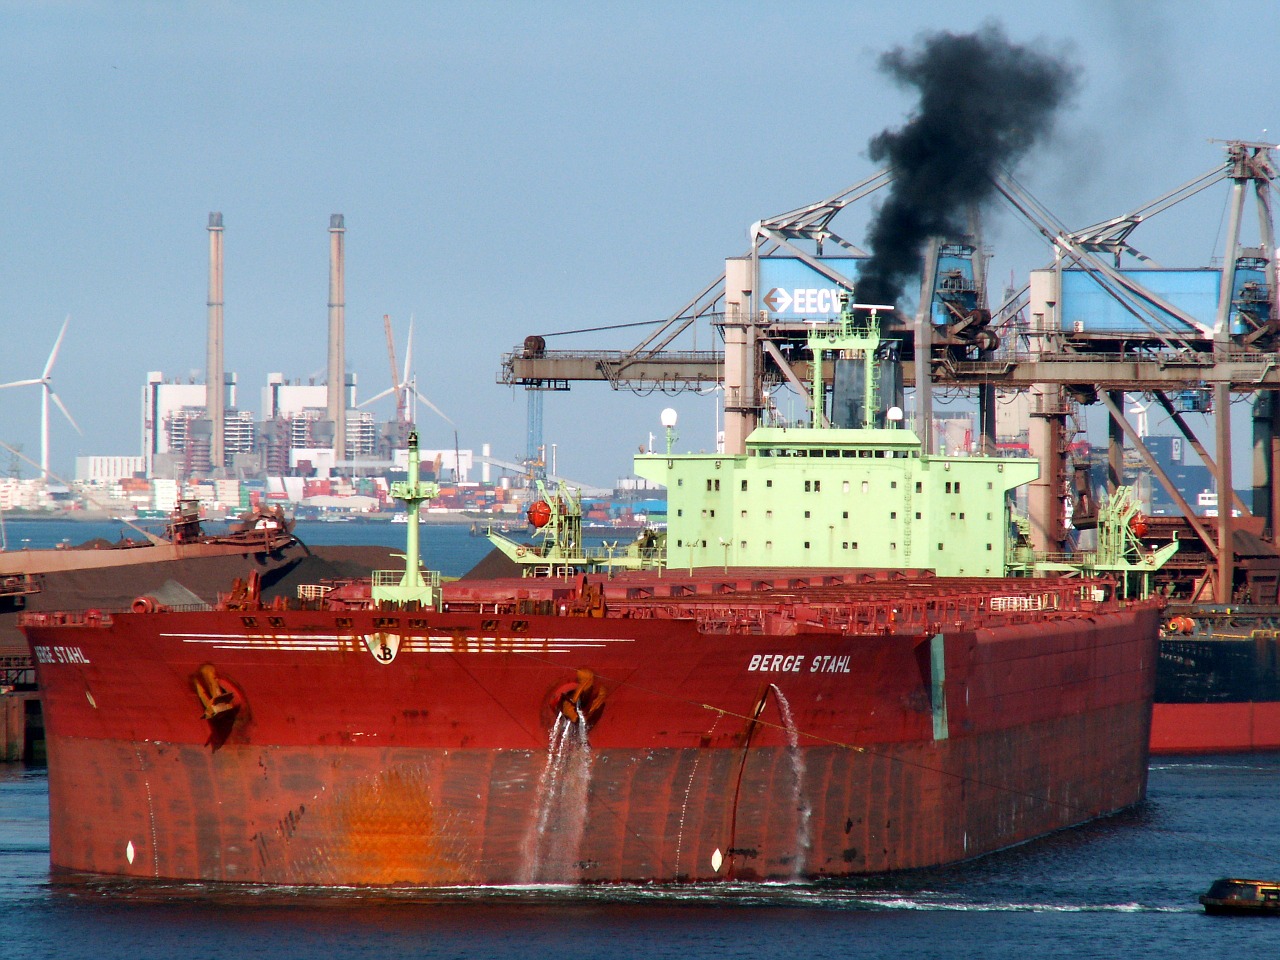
x,y
795,756
551,846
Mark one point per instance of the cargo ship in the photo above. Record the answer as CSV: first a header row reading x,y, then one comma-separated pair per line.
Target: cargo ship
x,y
1218,680
612,721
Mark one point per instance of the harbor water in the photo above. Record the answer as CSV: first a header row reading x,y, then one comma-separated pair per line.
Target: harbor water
x,y
1122,886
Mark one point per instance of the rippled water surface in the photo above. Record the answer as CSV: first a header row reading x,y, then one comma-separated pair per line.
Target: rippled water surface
x,y
1122,887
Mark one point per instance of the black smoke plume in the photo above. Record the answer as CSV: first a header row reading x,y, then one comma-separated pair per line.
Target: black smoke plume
x,y
983,103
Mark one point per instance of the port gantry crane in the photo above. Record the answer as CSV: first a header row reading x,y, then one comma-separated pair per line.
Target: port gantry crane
x,y
1086,328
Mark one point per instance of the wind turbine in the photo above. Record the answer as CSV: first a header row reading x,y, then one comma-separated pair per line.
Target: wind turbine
x,y
407,387
1141,410
47,395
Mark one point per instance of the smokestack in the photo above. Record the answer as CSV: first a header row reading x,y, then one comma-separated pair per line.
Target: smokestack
x,y
215,377
337,338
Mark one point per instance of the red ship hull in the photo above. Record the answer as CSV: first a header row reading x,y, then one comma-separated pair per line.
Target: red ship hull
x,y
1215,727
717,739
1217,689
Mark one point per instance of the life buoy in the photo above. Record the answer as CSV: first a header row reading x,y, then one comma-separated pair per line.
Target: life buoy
x,y
521,551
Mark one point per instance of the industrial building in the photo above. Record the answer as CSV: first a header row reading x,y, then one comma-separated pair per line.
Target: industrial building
x,y
300,429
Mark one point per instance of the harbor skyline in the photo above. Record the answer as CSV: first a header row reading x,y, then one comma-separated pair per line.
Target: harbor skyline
x,y
504,171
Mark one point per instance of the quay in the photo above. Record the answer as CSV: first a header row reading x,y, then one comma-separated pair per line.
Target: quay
x,y
21,720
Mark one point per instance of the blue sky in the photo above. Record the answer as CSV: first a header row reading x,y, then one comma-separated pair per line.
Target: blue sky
x,y
506,169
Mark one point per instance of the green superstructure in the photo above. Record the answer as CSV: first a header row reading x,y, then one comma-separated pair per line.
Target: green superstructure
x,y
838,498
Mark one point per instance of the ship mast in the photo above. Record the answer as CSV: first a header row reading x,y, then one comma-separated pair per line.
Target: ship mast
x,y
411,586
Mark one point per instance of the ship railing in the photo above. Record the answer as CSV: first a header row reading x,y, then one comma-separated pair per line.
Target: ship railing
x,y
1020,604
772,612
73,618
100,617
314,591
392,578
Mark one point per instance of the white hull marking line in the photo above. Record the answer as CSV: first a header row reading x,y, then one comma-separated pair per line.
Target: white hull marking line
x,y
324,643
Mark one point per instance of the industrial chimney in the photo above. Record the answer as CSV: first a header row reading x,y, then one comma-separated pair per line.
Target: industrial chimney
x,y
337,339
215,377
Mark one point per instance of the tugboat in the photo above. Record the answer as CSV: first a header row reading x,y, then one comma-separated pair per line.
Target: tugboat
x,y
1231,895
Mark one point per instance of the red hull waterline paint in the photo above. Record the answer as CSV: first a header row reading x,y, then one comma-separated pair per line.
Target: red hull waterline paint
x,y
1215,727
644,727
